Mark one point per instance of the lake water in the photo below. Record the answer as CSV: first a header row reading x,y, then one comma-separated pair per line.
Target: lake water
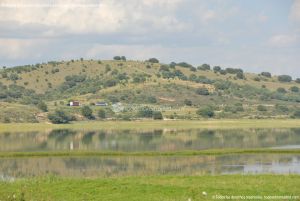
x,y
155,140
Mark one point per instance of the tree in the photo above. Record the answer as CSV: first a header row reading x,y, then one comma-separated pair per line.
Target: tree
x,y
266,74
153,60
262,108
297,80
240,75
202,91
117,58
294,89
101,114
206,112
42,106
123,58
217,69
204,67
145,112
87,112
59,117
157,115
284,78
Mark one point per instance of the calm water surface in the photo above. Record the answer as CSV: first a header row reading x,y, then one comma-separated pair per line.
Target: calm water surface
x,y
153,140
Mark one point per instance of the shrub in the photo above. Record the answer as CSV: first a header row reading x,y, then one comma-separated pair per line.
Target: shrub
x,y
42,106
153,60
101,114
262,108
87,112
151,99
296,114
188,102
13,77
294,89
281,108
157,115
257,79
233,70
145,112
184,65
206,112
59,117
281,90
204,67
266,74
297,80
284,78
202,91
240,75
217,69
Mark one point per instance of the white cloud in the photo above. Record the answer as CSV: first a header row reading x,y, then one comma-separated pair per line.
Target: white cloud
x,y
284,40
106,16
295,11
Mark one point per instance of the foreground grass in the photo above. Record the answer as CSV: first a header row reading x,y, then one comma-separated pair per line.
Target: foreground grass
x,y
151,124
154,153
151,188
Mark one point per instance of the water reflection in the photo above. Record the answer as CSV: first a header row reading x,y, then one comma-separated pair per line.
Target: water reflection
x,y
137,166
155,140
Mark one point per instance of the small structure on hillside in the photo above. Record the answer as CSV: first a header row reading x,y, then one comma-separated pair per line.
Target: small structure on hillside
x,y
103,104
74,103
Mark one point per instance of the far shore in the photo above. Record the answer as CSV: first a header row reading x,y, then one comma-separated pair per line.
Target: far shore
x,y
155,124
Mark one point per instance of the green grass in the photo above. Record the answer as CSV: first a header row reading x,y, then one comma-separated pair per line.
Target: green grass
x,y
151,124
154,153
150,188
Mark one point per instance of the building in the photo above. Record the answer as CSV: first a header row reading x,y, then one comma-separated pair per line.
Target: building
x,y
74,103
101,104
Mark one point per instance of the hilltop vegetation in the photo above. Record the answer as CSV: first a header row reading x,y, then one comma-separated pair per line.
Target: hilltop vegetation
x,y
142,89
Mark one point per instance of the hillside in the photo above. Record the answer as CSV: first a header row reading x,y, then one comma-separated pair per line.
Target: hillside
x,y
133,88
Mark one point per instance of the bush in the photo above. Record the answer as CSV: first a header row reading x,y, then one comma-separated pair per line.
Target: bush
x,y
87,112
206,112
296,114
297,80
240,75
153,60
202,91
101,114
233,70
217,69
42,106
284,78
151,99
59,117
266,74
145,112
281,90
188,102
294,89
204,67
157,115
262,108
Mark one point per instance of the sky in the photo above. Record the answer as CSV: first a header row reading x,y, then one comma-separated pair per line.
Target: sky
x,y
255,35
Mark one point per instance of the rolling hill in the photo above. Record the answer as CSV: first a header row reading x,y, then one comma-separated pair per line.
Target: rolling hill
x,y
177,90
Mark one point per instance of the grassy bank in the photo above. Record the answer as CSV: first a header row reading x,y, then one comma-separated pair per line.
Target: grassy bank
x,y
150,124
173,153
151,188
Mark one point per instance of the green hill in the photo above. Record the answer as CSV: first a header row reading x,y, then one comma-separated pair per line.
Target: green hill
x,y
143,89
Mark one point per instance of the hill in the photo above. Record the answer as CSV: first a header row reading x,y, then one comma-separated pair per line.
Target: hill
x,y
143,89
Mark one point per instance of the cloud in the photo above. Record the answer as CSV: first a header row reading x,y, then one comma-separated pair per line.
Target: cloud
x,y
295,11
106,16
284,40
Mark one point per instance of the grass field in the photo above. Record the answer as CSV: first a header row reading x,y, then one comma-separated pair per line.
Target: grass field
x,y
150,124
152,188
154,153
